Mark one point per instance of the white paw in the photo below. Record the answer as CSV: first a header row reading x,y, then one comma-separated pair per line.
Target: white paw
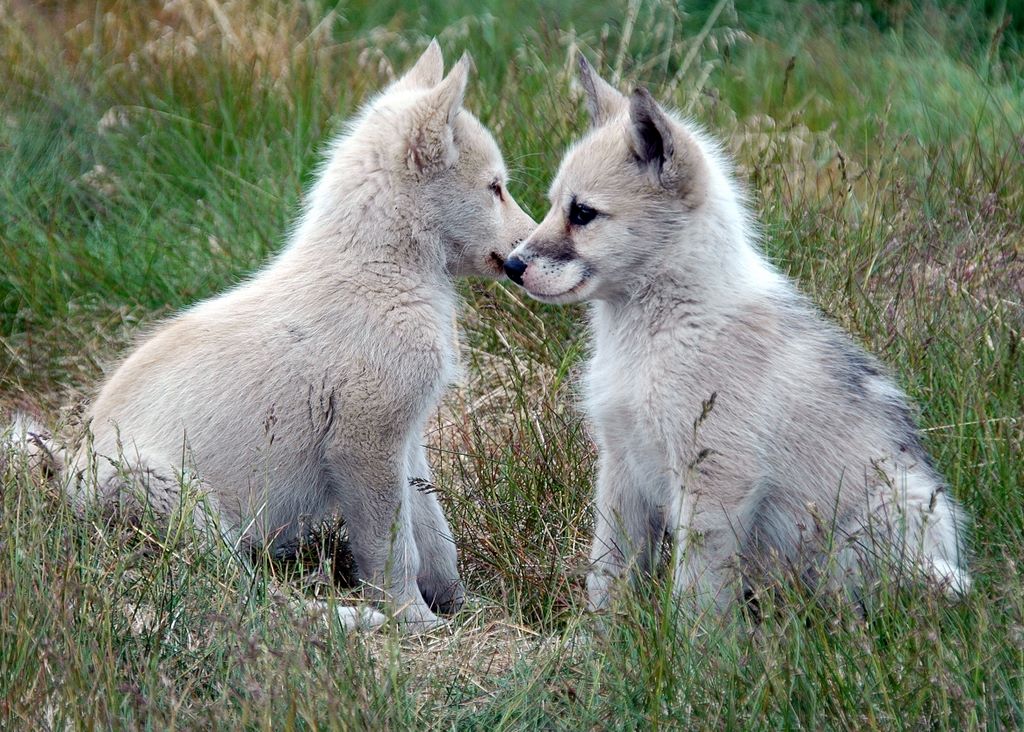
x,y
417,618
360,618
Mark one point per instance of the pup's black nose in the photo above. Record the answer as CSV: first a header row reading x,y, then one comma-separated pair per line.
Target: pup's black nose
x,y
514,268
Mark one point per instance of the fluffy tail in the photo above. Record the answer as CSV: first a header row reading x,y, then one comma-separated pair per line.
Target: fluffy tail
x,y
26,440
942,555
929,529
918,527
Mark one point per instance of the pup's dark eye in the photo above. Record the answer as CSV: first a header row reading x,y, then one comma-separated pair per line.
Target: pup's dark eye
x,y
581,215
495,187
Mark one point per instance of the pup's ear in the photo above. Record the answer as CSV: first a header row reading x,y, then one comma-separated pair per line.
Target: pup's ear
x,y
427,71
649,131
673,158
452,90
603,100
431,140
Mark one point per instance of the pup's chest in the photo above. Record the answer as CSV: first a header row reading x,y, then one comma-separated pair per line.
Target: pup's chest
x,y
643,396
622,399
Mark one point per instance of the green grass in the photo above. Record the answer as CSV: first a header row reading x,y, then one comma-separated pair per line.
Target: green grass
x,y
151,154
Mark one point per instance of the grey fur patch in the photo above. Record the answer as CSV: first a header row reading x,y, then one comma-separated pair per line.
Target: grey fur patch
x,y
557,250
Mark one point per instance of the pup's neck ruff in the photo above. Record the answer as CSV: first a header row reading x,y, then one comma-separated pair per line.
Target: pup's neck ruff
x,y
356,216
714,268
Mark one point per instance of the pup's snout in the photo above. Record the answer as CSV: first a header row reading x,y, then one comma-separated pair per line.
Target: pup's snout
x,y
514,268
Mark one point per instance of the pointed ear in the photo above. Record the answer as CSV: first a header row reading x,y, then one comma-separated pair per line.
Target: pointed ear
x,y
426,72
431,141
603,100
452,90
667,151
650,131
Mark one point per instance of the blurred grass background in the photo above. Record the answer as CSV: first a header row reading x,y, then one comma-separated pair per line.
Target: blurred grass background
x,y
154,153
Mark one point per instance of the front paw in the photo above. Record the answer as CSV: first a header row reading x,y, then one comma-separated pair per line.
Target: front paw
x,y
416,618
443,595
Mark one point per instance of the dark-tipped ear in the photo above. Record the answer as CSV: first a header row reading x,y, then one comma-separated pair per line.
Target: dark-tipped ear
x,y
649,130
667,151
604,101
427,71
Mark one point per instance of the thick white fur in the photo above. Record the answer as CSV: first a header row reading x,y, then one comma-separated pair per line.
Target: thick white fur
x,y
303,393
730,416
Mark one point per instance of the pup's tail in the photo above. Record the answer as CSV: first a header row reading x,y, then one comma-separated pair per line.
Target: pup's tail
x,y
932,527
26,440
942,555
920,529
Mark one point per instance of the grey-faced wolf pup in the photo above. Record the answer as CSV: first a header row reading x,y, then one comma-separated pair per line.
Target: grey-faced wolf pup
x,y
729,414
304,392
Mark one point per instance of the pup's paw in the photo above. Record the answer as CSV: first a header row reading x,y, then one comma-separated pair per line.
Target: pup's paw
x,y
361,618
417,618
443,595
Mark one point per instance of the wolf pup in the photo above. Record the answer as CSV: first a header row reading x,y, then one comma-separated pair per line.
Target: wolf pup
x,y
730,416
304,392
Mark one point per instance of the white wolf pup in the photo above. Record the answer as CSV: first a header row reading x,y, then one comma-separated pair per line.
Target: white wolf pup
x,y
304,392
730,416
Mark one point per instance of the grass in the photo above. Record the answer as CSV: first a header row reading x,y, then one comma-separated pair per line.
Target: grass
x,y
152,154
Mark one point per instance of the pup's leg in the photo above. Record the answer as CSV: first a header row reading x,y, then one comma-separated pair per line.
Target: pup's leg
x,y
439,573
627,529
374,493
704,549
702,573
